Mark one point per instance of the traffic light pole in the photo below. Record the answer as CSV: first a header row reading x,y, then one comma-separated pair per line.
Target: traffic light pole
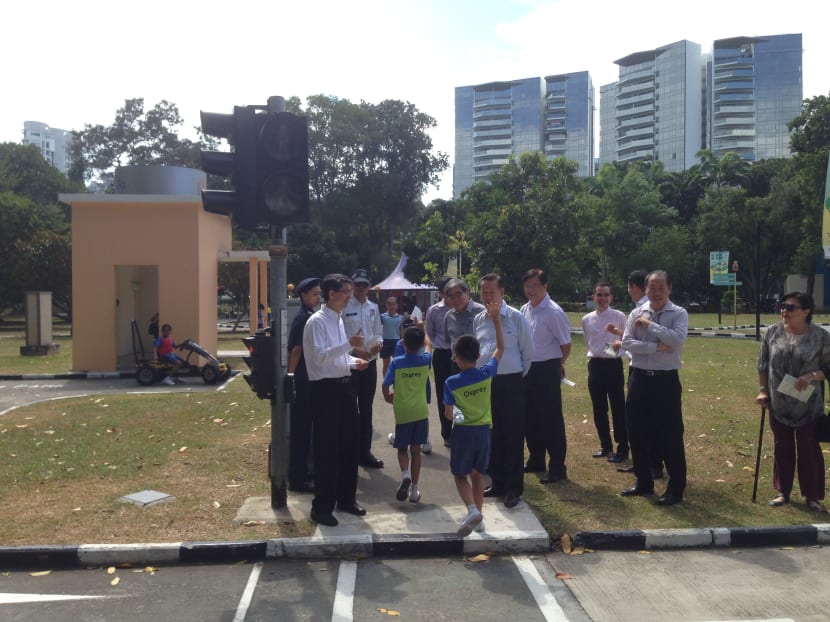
x,y
278,459
278,251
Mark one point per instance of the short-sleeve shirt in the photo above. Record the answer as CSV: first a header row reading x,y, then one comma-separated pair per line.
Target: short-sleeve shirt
x,y
295,338
469,391
164,345
391,325
409,374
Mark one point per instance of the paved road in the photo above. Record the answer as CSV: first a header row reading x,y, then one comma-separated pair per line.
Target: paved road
x,y
667,586
16,393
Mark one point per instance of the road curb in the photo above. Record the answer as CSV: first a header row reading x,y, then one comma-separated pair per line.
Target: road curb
x,y
719,537
315,547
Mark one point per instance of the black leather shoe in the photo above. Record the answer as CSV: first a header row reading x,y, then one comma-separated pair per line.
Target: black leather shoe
x,y
371,462
617,458
492,491
552,478
601,453
511,500
323,519
352,508
534,468
636,491
668,499
304,487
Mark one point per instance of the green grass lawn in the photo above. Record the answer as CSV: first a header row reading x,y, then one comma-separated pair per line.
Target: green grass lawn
x,y
65,463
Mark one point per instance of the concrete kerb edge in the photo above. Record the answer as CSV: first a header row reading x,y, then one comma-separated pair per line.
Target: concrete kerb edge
x,y
655,539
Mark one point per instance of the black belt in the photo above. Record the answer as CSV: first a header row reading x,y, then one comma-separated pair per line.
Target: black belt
x,y
343,380
655,372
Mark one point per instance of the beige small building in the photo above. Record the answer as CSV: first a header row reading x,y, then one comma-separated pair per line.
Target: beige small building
x,y
137,254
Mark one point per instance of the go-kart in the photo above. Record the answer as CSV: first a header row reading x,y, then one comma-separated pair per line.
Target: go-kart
x,y
151,370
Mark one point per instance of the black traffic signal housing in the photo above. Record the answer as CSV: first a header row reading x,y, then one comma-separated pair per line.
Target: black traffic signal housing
x,y
282,169
262,378
241,129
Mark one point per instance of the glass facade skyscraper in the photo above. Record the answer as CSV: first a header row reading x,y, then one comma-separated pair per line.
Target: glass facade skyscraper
x,y
756,89
492,122
657,107
569,119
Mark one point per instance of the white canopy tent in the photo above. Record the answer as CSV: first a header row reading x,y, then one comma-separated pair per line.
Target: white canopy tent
x,y
396,284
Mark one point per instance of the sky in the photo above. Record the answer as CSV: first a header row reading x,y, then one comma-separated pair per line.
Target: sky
x,y
69,64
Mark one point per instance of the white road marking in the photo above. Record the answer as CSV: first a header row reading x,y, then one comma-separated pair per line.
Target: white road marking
x,y
343,609
7,598
248,594
538,588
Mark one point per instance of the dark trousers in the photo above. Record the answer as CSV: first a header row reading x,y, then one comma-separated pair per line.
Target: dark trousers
x,y
606,384
441,365
797,447
654,456
507,442
334,438
299,444
365,384
545,423
655,419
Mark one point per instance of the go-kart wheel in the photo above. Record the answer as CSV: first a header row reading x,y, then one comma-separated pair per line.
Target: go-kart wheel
x,y
210,374
145,376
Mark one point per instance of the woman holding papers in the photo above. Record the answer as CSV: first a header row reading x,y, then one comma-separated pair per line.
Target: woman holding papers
x,y
792,365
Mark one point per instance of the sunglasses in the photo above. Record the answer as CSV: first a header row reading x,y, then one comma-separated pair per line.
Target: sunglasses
x,y
789,307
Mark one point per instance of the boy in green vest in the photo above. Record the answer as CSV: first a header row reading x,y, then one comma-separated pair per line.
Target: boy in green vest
x,y
467,403
408,375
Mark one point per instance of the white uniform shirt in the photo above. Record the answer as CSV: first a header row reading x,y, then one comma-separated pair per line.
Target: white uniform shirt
x,y
326,347
551,329
364,316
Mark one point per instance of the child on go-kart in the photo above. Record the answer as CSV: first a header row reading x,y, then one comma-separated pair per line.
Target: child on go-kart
x,y
163,347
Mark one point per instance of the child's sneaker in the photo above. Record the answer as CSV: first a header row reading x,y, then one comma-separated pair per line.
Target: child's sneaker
x,y
480,527
414,494
391,438
465,528
426,448
168,380
403,489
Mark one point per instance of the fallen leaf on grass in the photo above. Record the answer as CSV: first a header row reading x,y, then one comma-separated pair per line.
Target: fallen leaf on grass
x,y
253,523
483,557
729,464
181,449
749,468
40,573
76,509
115,581
720,481
217,505
563,575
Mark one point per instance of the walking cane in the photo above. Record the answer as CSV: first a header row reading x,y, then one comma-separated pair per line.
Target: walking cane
x,y
758,455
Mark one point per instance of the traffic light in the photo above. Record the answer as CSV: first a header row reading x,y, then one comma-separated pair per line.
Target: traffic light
x,y
282,169
262,378
241,129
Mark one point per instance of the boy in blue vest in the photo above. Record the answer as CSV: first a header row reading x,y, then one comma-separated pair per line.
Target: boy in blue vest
x,y
467,404
408,375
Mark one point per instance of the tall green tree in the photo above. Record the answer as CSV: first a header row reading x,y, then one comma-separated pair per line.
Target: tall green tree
x,y
135,137
810,142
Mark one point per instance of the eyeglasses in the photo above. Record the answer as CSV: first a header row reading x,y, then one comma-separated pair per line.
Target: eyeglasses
x,y
789,307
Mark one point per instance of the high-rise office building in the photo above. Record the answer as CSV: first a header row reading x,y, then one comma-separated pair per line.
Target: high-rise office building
x,y
755,89
492,122
657,104
497,120
52,142
569,119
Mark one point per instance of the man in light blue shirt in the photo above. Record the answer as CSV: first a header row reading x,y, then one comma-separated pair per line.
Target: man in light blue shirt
x,y
507,395
654,336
